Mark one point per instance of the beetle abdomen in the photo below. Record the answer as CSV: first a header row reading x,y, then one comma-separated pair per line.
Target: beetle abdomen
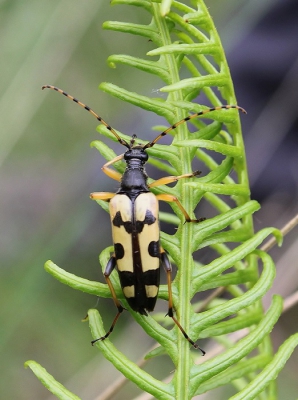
x,y
135,231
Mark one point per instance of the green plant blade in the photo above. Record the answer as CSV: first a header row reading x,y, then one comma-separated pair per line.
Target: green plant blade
x,y
129,369
50,382
270,372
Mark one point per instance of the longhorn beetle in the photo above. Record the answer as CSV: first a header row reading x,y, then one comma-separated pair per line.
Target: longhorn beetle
x,y
135,227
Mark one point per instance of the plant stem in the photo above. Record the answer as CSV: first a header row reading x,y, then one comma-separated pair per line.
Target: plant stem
x,y
185,268
184,277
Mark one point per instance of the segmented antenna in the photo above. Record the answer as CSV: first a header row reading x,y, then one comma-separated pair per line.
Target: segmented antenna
x,y
121,141
149,144
174,126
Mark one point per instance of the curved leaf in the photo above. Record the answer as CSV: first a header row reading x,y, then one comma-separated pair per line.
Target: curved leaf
x,y
50,382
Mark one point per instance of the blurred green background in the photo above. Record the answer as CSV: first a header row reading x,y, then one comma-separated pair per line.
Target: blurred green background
x,y
48,170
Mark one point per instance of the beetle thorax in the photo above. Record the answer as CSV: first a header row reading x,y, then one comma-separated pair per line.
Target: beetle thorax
x,y
134,179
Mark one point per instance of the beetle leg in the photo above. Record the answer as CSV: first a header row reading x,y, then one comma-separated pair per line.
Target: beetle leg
x,y
169,198
168,268
108,270
105,196
169,179
110,172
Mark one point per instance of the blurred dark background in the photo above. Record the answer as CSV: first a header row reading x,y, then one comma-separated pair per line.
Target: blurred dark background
x,y
48,170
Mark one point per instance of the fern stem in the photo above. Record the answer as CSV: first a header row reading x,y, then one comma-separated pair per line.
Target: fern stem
x,y
183,361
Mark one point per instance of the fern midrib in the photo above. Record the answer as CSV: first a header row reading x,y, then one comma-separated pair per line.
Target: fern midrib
x,y
241,166
183,357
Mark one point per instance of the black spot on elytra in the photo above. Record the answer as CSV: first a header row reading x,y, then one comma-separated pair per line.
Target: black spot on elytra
x,y
151,277
140,303
127,278
139,225
128,226
119,251
118,221
153,249
148,220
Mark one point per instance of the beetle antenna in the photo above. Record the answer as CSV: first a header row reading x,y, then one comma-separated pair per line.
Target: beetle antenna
x,y
121,141
174,126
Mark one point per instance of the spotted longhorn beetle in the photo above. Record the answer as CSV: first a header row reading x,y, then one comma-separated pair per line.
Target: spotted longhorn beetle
x,y
135,225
